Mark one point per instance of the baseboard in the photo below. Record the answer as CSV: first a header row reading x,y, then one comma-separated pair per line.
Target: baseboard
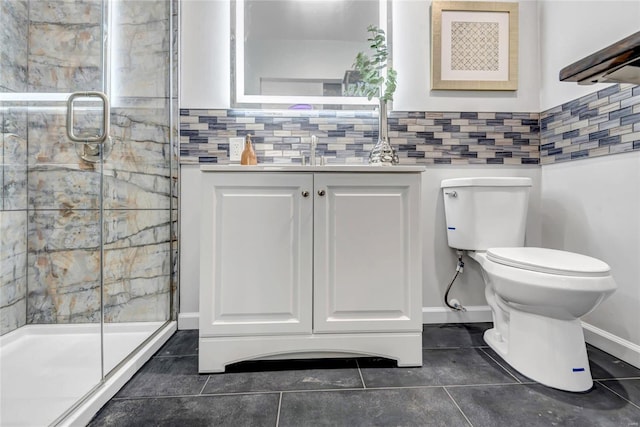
x,y
474,314
188,320
612,344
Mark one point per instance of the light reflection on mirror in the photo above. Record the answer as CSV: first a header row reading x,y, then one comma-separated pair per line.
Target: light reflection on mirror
x,y
300,52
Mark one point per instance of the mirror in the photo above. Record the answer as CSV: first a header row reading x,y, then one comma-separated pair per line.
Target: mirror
x,y
300,53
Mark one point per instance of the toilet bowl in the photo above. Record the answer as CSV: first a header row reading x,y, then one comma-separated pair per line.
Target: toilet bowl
x,y
536,309
536,295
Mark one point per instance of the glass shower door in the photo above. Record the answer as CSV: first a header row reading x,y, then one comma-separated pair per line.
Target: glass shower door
x,y
139,175
52,208
88,246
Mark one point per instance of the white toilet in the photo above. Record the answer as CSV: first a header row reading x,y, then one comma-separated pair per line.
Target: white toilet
x,y
536,295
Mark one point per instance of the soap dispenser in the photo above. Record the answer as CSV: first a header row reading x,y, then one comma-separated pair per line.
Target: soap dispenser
x,y
248,155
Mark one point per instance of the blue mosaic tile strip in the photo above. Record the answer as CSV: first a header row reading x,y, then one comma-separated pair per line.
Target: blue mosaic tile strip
x,y
282,136
602,123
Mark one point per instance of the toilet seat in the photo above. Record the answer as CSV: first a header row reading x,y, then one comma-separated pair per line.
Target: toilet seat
x,y
549,261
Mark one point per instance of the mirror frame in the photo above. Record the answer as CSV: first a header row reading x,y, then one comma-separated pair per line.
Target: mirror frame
x,y
239,99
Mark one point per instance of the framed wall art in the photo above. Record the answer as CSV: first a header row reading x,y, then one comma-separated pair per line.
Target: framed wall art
x,y
474,45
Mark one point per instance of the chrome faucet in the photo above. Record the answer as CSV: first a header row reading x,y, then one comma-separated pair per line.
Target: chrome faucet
x,y
312,154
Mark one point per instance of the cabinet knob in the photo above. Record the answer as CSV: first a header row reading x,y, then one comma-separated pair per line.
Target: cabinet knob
x,y
305,193
321,193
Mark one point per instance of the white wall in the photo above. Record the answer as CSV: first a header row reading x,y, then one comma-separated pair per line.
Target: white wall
x,y
205,46
553,34
189,246
205,63
592,207
412,59
572,30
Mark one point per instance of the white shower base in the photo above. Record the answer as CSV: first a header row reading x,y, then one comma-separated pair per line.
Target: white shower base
x,y
46,369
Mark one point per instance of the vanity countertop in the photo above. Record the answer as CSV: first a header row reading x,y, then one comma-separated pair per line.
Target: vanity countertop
x,y
300,168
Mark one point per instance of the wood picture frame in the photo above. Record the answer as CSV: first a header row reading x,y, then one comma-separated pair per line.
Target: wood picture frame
x,y
474,45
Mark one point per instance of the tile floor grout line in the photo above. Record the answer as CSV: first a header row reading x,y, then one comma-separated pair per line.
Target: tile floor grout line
x,y
460,347
282,391
487,384
616,378
364,386
278,414
164,396
408,387
167,356
170,396
500,364
241,393
617,394
205,384
457,406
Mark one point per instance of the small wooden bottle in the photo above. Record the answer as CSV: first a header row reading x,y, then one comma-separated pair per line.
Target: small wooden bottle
x,y
248,155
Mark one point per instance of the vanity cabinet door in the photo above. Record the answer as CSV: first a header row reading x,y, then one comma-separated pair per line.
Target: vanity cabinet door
x,y
367,256
256,254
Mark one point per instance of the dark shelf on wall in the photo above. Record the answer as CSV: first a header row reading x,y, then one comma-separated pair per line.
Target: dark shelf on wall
x,y
618,63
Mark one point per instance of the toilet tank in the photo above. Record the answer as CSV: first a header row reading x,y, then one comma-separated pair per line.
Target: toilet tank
x,y
486,212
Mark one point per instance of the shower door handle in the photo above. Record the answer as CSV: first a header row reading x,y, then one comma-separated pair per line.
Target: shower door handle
x,y
99,139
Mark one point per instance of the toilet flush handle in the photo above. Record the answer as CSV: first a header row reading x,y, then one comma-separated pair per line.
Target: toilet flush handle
x,y
451,193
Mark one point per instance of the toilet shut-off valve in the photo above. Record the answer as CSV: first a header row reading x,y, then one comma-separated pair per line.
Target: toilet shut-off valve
x,y
455,304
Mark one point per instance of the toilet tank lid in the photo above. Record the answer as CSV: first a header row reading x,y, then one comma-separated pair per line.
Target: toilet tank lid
x,y
550,261
486,181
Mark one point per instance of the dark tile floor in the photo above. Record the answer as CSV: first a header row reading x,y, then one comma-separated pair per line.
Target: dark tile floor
x,y
462,383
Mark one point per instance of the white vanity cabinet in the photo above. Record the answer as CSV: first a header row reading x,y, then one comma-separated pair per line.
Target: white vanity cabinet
x,y
310,262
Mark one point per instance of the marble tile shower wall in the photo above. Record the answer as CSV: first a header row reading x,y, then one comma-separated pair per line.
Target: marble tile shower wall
x,y
601,123
51,266
13,167
348,136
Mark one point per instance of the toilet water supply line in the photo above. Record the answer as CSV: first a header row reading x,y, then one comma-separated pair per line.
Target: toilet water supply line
x,y
455,305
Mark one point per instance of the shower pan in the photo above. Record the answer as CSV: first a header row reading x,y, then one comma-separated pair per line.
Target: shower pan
x,y
88,200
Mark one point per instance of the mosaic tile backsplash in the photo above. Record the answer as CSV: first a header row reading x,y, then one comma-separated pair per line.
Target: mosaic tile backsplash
x,y
602,123
348,136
